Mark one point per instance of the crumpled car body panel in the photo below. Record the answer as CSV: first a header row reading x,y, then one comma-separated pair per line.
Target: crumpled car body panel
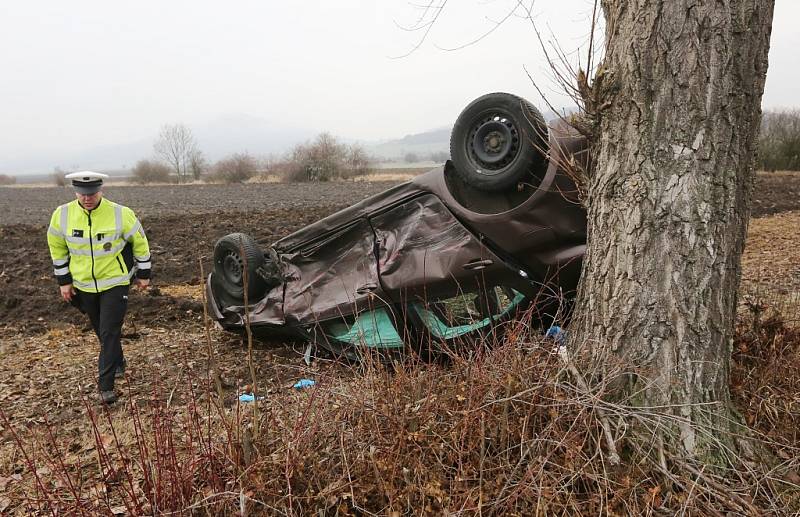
x,y
426,240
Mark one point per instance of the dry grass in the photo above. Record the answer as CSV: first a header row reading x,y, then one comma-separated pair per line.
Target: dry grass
x,y
766,376
778,173
506,431
398,174
771,264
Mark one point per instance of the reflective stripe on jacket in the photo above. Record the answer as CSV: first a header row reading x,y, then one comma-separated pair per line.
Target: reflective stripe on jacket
x,y
98,249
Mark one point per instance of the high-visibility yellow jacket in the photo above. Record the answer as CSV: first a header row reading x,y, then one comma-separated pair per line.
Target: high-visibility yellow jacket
x,y
98,249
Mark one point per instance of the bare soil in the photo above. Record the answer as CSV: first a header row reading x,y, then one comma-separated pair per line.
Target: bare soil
x,y
775,192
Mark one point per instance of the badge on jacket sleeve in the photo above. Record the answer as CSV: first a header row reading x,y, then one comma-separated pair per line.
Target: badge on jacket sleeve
x,y
107,246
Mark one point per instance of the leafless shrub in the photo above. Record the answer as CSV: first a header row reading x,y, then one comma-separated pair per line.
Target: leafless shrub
x,y
57,176
150,171
198,164
357,161
6,179
236,168
326,159
320,161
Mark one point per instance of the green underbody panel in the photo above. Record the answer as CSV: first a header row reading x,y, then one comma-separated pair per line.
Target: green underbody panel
x,y
373,329
439,329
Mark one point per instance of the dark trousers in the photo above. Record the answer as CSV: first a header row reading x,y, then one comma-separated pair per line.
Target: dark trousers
x,y
106,311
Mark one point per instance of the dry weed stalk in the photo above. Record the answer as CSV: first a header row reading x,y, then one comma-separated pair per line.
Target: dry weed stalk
x,y
249,334
211,370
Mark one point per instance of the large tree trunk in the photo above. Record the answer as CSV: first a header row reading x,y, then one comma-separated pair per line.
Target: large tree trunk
x,y
669,199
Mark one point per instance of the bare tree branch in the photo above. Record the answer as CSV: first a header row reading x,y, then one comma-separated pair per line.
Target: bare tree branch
x,y
428,26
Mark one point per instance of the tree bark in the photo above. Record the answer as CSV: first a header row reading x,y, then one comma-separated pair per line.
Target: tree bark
x,y
669,199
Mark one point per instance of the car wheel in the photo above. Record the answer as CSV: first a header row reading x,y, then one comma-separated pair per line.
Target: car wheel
x,y
231,253
497,141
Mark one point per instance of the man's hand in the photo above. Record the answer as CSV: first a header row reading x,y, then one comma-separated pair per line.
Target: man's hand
x,y
67,292
142,283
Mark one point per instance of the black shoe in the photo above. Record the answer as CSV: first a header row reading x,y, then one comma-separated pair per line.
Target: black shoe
x,y
108,397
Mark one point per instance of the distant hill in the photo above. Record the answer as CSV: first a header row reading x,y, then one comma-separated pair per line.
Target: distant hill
x,y
421,144
433,141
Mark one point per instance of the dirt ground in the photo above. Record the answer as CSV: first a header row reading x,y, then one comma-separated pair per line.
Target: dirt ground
x,y
47,351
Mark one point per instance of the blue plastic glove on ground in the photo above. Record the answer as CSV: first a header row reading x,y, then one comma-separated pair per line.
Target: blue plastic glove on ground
x,y
557,333
303,383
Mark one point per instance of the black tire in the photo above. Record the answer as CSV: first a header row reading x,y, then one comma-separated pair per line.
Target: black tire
x,y
227,281
497,141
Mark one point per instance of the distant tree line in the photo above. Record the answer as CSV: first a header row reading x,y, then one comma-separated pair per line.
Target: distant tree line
x,y
436,157
5,179
779,142
178,158
324,159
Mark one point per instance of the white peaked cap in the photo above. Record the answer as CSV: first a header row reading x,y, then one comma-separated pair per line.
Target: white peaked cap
x,y
86,182
86,176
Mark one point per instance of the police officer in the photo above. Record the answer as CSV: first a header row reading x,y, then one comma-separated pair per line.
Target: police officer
x,y
97,248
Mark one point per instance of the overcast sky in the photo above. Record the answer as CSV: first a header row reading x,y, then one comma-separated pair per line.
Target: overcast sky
x,y
85,73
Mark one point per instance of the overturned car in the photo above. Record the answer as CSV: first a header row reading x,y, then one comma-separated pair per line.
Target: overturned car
x,y
447,257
